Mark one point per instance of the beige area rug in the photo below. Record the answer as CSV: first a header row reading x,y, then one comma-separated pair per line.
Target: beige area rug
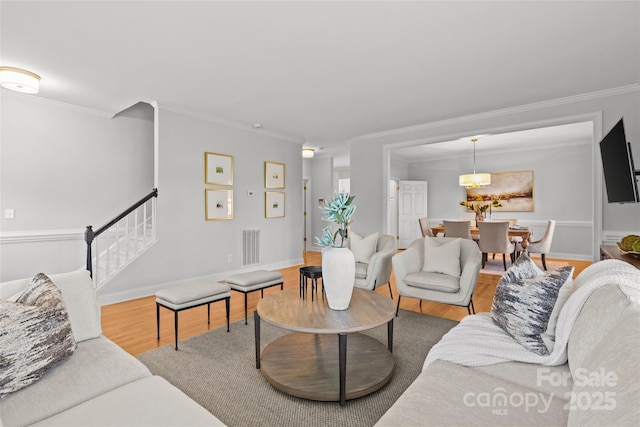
x,y
495,267
217,369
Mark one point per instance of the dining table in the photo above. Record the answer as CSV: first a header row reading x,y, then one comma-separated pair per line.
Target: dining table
x,y
514,231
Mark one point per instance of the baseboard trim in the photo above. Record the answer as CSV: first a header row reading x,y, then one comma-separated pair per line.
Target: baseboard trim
x,y
106,298
569,257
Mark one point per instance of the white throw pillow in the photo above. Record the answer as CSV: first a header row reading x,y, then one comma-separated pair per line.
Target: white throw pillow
x,y
442,257
563,295
80,298
363,248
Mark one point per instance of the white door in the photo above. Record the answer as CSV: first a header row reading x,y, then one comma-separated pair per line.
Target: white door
x,y
412,201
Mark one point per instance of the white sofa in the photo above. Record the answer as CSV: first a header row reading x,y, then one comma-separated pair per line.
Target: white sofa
x,y
599,385
100,384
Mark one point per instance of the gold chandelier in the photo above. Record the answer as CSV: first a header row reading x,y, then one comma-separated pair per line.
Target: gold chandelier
x,y
474,180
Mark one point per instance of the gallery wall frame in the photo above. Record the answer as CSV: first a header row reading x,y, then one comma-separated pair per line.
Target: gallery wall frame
x,y
274,175
513,189
218,169
218,204
274,204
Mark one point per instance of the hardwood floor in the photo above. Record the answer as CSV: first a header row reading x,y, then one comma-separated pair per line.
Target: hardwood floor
x,y
132,324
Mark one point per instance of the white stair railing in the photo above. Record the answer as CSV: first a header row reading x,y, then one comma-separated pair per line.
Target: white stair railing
x,y
117,244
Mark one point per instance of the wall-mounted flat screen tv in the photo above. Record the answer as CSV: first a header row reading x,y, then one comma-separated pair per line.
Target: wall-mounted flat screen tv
x,y
617,165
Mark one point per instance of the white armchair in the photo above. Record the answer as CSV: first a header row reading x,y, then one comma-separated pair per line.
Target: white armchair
x,y
438,287
377,270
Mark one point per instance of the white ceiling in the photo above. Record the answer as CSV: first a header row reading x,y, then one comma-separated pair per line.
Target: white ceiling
x,y
322,73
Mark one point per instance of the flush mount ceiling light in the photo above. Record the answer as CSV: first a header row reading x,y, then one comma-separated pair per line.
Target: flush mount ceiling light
x,y
474,180
307,152
19,80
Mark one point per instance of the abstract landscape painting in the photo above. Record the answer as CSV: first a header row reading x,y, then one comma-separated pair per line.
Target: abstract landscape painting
x,y
514,190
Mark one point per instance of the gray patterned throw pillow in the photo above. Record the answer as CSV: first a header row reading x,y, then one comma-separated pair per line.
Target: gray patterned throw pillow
x,y
522,306
522,268
35,335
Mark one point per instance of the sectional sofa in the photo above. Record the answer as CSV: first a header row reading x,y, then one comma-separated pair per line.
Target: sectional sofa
x,y
598,385
99,384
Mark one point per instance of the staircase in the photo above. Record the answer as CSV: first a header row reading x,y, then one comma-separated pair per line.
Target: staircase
x,y
114,246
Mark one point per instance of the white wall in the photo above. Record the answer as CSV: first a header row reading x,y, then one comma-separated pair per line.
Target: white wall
x,y
190,247
62,168
399,169
611,220
368,185
322,186
77,168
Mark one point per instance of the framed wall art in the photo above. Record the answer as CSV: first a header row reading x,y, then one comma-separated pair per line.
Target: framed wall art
x,y
273,175
273,204
218,169
218,204
514,191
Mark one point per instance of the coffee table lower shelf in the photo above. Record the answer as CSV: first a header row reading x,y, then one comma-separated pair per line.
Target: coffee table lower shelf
x,y
307,365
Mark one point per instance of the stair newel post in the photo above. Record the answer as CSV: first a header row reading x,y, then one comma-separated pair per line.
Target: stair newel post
x,y
88,237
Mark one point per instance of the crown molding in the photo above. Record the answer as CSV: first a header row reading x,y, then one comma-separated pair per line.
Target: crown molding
x,y
503,150
59,104
501,112
172,108
228,123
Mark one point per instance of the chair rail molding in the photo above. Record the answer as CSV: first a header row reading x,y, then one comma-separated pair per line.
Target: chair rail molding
x,y
33,236
611,237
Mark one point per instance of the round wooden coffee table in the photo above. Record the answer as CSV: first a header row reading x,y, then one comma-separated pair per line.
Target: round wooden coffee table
x,y
310,362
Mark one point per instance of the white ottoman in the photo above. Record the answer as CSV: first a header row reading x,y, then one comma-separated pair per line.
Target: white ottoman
x,y
188,296
252,281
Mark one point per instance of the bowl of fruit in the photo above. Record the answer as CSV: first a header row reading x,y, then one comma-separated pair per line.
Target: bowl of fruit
x,y
630,245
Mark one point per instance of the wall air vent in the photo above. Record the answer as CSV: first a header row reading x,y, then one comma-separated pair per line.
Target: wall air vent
x,y
250,247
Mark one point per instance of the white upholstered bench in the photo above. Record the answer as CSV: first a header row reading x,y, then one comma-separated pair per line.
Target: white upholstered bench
x,y
252,281
188,296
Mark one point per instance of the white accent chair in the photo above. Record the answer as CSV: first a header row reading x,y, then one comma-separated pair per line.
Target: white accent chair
x,y
408,265
461,229
494,238
541,246
376,272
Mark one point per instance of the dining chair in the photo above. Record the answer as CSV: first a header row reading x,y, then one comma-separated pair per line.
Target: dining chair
x,y
475,237
512,239
494,238
424,227
460,229
543,245
511,221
